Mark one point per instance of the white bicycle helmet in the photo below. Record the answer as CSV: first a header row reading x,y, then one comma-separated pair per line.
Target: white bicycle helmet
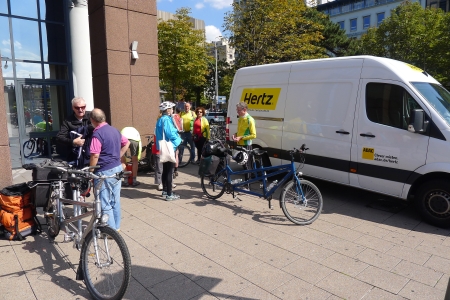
x,y
240,157
165,105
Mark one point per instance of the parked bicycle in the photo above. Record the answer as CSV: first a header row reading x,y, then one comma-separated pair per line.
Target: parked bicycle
x,y
300,199
105,264
218,132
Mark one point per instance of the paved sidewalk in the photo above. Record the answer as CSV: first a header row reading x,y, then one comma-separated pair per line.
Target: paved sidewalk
x,y
361,247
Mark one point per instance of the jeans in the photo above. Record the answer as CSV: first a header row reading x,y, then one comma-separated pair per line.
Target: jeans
x,y
109,194
158,170
187,139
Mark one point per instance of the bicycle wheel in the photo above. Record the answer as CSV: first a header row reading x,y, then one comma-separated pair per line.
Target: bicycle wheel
x,y
52,216
108,279
184,155
214,185
298,210
28,148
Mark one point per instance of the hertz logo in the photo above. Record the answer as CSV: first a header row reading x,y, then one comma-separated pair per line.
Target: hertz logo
x,y
261,98
368,153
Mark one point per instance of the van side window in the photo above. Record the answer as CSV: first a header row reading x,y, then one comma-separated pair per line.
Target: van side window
x,y
389,104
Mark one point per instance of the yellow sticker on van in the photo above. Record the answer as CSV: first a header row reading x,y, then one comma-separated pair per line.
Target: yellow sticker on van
x,y
261,98
368,153
414,68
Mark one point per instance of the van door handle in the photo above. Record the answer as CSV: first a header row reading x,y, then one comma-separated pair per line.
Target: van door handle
x,y
367,135
342,132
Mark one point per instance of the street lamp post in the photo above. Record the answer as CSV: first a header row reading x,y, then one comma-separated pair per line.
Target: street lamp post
x,y
217,80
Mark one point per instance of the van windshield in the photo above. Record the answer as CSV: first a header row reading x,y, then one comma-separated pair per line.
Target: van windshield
x,y
437,96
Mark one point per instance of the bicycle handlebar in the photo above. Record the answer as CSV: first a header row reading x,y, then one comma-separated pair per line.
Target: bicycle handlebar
x,y
86,173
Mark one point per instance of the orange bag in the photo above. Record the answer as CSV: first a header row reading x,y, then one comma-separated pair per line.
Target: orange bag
x,y
19,224
17,214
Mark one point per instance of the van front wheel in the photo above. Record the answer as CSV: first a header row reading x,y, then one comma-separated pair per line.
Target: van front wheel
x,y
433,202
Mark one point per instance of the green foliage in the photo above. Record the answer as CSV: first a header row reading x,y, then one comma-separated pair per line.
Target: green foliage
x,y
273,31
182,55
414,35
335,41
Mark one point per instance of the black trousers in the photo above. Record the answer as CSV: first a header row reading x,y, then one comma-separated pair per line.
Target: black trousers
x,y
199,145
167,176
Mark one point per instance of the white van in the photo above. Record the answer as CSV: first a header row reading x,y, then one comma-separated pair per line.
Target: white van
x,y
369,122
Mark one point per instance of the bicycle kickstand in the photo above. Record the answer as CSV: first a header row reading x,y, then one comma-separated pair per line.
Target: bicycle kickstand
x,y
269,199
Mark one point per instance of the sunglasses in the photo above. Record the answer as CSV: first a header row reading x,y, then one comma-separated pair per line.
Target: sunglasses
x,y
80,107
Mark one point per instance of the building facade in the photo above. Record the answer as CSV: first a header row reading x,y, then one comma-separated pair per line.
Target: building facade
x,y
166,16
39,77
355,17
224,51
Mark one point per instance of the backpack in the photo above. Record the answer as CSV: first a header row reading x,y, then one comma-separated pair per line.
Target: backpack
x,y
17,214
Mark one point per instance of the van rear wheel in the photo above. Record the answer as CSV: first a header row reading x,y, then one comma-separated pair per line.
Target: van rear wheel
x,y
433,202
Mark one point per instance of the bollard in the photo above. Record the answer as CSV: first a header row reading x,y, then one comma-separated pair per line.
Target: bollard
x,y
130,177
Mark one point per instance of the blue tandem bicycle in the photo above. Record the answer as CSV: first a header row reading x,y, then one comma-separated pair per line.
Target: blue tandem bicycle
x,y
300,200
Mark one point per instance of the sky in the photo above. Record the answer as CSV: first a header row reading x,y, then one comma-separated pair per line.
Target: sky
x,y
210,11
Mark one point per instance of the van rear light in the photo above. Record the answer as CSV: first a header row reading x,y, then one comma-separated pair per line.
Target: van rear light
x,y
227,130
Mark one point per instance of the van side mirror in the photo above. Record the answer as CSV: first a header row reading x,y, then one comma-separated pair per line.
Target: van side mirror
x,y
417,122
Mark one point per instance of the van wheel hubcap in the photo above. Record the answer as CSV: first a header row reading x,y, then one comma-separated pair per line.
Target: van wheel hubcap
x,y
438,203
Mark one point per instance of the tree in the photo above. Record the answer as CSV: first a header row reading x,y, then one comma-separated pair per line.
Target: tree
x,y
182,55
335,41
272,31
414,35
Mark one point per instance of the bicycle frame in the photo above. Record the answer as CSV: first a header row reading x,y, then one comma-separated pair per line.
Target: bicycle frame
x,y
266,194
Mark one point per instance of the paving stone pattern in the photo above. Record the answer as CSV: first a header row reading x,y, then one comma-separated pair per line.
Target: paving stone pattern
x,y
363,246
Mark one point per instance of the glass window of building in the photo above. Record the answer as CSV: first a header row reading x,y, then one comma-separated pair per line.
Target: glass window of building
x,y
26,39
443,5
366,22
335,11
358,5
5,38
353,25
370,3
3,7
380,18
341,25
346,8
24,8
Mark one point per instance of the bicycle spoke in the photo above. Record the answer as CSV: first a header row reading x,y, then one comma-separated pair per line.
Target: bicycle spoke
x,y
301,209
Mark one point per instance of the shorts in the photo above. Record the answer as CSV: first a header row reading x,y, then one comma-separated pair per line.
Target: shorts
x,y
134,147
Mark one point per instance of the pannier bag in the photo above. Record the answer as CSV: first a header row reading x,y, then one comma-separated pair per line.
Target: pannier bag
x,y
209,165
40,194
17,214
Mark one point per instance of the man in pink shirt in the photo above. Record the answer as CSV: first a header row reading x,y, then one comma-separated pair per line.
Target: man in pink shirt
x,y
107,147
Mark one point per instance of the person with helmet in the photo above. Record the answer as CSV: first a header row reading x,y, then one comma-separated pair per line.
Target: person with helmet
x,y
246,132
165,126
134,137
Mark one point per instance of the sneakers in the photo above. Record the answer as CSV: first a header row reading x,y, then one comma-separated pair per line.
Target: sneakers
x,y
160,187
175,173
172,197
174,185
125,183
164,193
136,183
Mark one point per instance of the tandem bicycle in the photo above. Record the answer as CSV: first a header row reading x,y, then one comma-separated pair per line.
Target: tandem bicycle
x,y
300,199
105,264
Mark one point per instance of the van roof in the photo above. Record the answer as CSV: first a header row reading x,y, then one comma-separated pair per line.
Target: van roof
x,y
374,67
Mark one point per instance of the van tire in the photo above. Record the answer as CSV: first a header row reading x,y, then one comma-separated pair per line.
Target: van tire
x,y
433,202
